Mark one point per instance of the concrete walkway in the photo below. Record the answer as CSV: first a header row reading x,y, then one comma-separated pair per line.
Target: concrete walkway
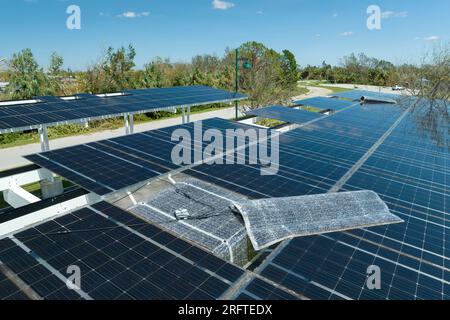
x,y
12,157
313,92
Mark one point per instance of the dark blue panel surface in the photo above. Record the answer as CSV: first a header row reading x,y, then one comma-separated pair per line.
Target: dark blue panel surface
x,y
119,256
285,114
53,110
325,103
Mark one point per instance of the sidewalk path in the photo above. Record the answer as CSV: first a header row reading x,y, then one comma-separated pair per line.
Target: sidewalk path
x,y
313,92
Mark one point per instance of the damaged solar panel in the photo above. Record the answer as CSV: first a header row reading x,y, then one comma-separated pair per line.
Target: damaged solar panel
x,y
272,220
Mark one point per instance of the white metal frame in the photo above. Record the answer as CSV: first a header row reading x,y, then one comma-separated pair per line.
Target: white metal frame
x,y
48,213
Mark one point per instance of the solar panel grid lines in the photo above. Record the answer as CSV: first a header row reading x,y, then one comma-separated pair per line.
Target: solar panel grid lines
x,y
122,258
44,282
261,289
414,248
51,269
9,289
325,103
357,94
112,165
369,152
285,114
255,186
29,116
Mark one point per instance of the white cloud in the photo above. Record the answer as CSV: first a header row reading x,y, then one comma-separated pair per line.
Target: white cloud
x,y
392,14
132,14
346,34
431,38
222,5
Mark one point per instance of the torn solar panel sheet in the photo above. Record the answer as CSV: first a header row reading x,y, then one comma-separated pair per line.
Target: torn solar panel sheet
x,y
285,114
269,221
209,223
324,103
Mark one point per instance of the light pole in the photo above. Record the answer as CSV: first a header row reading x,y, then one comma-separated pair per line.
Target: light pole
x,y
245,65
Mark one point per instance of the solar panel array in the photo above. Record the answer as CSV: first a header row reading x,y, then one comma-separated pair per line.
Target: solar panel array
x,y
285,114
400,160
357,94
110,165
54,111
311,158
324,103
120,257
409,170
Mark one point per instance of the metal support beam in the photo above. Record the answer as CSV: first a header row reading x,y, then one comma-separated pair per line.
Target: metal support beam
x,y
189,114
126,121
43,138
131,123
51,212
183,119
17,197
25,178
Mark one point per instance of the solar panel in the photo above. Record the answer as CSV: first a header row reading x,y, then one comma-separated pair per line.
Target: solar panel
x,y
260,289
412,257
49,99
46,284
409,171
285,114
357,94
54,111
269,221
311,158
324,103
120,257
9,290
110,165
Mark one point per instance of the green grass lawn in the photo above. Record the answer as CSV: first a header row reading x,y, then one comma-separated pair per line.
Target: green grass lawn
x,y
299,91
334,89
310,109
269,123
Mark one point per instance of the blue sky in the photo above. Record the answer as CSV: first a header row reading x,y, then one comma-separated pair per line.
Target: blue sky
x,y
313,30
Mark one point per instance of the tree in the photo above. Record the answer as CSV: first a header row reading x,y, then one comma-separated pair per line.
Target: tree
x,y
55,72
264,82
27,79
113,73
290,68
429,86
56,63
